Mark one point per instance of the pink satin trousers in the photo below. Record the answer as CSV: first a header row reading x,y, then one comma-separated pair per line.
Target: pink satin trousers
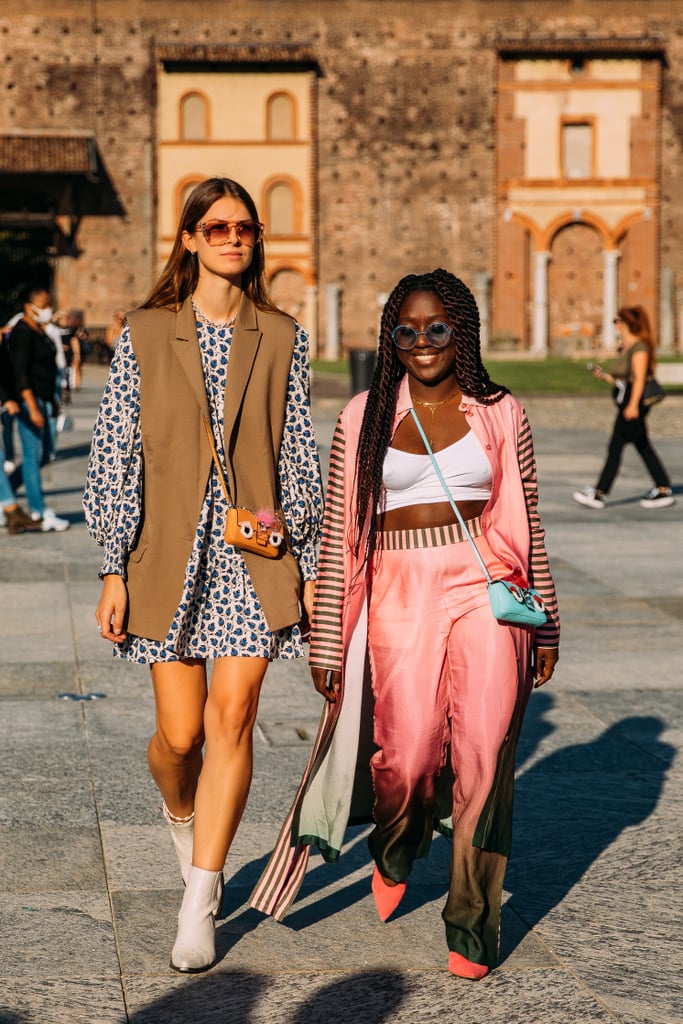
x,y
450,686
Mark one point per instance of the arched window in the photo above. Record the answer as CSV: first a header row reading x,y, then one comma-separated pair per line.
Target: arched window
x,y
281,209
281,118
184,191
194,117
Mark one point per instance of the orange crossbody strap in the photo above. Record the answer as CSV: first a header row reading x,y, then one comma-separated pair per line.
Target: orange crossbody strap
x,y
221,474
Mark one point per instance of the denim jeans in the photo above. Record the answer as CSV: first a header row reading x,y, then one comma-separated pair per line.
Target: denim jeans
x,y
32,446
7,496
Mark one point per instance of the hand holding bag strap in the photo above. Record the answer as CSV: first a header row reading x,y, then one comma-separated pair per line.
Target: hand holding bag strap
x,y
453,505
214,453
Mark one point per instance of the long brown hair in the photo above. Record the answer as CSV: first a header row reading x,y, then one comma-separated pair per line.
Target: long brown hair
x,y
638,323
179,277
471,374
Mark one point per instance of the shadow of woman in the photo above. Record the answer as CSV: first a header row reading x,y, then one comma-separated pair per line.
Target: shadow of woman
x,y
574,803
368,998
215,999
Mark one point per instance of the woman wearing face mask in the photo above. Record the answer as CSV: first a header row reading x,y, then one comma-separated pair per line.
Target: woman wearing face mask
x,y
33,360
426,689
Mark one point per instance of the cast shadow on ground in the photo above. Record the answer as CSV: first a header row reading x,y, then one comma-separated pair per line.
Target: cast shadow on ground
x,y
371,998
9,1017
570,806
573,804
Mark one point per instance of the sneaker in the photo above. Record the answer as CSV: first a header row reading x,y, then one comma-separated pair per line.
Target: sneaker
x,y
589,497
52,522
9,466
657,499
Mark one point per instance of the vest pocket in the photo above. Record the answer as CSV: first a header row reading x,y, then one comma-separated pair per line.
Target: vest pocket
x,y
137,553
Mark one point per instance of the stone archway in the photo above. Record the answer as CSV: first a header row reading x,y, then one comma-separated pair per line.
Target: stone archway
x,y
575,289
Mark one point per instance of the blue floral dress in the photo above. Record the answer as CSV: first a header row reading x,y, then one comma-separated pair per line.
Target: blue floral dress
x,y
219,614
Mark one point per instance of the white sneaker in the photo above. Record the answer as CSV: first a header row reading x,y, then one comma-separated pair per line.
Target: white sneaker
x,y
9,466
657,499
53,522
589,497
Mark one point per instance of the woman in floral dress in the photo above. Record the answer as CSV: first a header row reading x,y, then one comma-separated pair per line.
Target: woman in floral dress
x,y
207,347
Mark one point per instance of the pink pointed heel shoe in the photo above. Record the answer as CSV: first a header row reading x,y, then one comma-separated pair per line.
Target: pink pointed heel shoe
x,y
466,968
387,897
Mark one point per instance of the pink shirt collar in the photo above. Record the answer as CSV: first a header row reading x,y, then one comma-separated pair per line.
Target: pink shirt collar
x,y
404,404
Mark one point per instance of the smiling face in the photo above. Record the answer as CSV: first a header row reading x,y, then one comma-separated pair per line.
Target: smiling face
x,y
233,257
426,365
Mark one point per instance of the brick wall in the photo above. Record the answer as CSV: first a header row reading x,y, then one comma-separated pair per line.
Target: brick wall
x,y
406,105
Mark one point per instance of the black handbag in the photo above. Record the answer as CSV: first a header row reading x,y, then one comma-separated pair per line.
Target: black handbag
x,y
653,393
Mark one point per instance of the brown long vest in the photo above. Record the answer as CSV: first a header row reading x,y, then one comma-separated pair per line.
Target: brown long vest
x,y
177,458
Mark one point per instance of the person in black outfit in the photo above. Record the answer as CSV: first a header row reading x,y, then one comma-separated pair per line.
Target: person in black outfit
x,y
629,374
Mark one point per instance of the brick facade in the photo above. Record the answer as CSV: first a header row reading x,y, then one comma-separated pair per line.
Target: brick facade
x,y
407,155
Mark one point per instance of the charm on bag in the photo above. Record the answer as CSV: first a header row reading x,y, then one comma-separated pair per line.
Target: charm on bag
x,y
261,532
522,606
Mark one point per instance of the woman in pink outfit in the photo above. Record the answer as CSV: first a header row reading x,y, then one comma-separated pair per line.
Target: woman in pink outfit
x,y
426,690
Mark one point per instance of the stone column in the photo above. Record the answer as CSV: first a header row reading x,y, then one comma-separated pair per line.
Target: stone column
x,y
482,294
667,328
311,319
333,339
539,342
610,302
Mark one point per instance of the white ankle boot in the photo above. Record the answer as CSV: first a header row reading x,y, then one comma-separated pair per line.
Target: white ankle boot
x,y
182,833
195,944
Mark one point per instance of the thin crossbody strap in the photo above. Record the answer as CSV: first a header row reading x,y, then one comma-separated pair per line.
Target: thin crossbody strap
x,y
455,508
221,474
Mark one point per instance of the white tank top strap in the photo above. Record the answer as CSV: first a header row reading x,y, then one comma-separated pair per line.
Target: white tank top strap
x,y
410,479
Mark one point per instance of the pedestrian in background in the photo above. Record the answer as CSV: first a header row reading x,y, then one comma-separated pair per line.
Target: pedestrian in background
x,y
12,514
208,362
34,368
628,375
400,594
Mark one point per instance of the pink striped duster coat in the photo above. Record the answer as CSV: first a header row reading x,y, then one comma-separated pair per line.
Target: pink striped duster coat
x,y
336,789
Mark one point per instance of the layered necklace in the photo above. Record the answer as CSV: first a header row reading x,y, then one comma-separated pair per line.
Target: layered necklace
x,y
207,320
433,408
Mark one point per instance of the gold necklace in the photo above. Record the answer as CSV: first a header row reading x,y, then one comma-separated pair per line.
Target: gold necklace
x,y
433,407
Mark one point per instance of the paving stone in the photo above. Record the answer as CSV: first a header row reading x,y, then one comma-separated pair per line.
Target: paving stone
x,y
89,881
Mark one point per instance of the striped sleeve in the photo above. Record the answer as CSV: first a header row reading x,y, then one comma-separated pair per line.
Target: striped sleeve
x,y
326,625
547,635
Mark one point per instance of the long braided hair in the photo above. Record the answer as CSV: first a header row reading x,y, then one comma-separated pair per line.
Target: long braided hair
x,y
179,277
471,374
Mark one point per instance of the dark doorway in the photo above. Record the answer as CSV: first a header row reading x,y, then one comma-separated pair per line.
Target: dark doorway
x,y
25,259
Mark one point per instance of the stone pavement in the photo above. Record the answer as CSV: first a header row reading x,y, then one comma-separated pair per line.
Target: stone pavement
x,y
591,929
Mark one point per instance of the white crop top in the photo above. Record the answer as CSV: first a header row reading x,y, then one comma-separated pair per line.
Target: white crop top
x,y
411,479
